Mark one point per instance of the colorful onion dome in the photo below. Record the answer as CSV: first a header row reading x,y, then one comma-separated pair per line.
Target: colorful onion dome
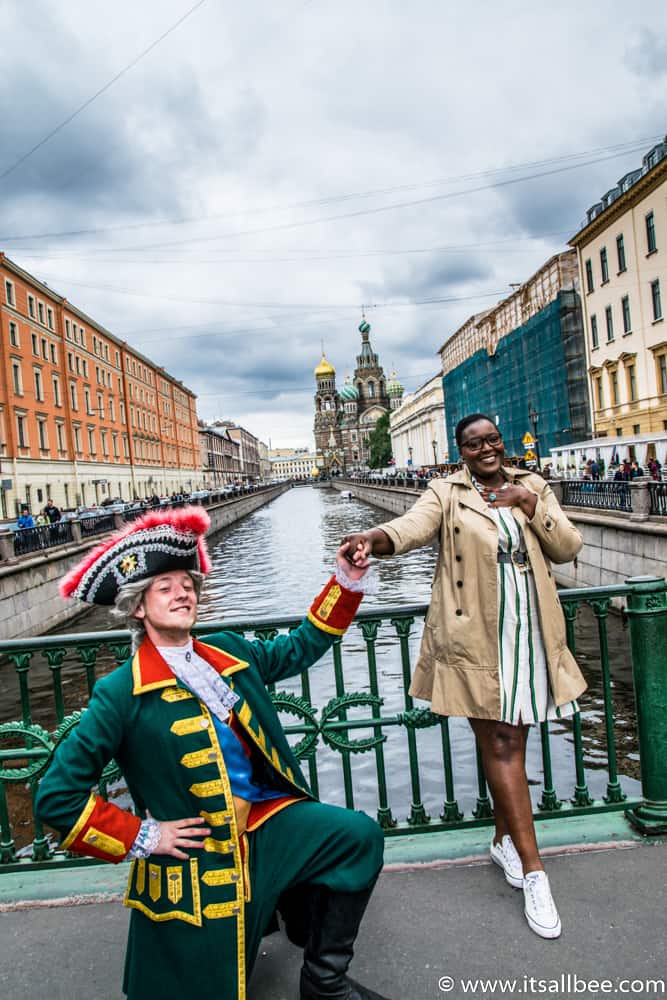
x,y
349,391
324,369
394,387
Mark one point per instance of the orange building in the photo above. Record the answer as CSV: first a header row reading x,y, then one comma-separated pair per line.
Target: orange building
x,y
83,416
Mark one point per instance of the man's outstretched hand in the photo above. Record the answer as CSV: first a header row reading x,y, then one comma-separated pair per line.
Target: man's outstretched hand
x,y
351,568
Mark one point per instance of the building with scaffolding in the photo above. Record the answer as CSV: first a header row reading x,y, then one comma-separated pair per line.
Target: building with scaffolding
x,y
526,354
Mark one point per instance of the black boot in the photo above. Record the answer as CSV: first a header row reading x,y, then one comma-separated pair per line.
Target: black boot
x,y
331,946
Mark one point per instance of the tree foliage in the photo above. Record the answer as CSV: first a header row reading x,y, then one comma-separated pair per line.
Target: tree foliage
x,y
380,443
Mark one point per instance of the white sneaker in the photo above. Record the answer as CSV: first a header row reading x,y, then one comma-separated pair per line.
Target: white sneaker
x,y
540,909
505,855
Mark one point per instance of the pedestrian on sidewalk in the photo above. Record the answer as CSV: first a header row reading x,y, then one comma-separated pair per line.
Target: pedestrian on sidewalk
x,y
494,646
228,830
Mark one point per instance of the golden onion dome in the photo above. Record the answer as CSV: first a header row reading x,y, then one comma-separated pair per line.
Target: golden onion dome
x,y
324,369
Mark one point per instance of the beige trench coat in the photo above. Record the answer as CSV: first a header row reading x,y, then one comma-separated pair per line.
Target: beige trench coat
x,y
457,670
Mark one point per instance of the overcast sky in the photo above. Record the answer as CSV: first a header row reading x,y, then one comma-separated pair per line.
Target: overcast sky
x,y
267,169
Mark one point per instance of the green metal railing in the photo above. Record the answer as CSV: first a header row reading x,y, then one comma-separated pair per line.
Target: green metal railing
x,y
49,672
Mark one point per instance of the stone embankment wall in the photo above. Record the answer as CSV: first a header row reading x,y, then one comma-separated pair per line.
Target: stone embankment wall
x,y
616,546
29,600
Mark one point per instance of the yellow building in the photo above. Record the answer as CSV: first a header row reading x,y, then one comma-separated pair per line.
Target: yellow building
x,y
622,256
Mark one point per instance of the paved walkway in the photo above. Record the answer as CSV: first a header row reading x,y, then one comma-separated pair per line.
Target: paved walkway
x,y
453,920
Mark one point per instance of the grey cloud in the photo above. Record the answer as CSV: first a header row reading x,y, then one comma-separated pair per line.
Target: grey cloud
x,y
646,54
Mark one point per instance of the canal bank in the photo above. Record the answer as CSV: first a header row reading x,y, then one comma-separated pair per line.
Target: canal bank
x,y
29,600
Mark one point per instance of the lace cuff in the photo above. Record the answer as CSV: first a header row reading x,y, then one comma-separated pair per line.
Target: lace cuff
x,y
146,840
368,584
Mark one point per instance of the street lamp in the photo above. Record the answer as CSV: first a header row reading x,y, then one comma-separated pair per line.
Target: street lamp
x,y
534,417
434,445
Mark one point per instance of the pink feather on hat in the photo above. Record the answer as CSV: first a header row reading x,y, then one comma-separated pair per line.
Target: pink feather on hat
x,y
192,520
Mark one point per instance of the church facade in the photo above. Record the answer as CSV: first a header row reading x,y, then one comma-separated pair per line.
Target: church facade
x,y
344,419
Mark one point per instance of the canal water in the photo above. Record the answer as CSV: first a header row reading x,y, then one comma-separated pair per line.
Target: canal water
x,y
272,564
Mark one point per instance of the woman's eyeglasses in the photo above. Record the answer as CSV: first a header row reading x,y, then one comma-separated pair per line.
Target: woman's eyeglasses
x,y
476,444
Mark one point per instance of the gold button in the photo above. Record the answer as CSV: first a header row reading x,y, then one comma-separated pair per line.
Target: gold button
x,y
174,877
213,756
204,723
92,838
235,877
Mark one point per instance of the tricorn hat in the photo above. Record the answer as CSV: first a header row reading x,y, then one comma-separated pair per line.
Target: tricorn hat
x,y
158,542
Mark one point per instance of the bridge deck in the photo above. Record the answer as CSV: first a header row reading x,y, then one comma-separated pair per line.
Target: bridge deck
x,y
456,918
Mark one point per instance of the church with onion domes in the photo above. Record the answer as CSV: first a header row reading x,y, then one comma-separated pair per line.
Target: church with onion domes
x,y
345,418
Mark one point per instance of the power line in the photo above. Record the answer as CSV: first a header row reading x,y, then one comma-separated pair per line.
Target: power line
x,y
276,305
308,256
618,149
413,203
102,90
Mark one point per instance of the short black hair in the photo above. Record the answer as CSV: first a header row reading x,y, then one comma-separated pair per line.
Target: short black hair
x,y
472,418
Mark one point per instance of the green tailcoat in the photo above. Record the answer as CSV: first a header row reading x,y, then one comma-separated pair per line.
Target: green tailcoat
x,y
163,738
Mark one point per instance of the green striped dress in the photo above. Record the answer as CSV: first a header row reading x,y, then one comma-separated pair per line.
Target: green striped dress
x,y
525,692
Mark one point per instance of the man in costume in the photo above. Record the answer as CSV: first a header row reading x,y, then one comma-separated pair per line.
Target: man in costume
x,y
231,831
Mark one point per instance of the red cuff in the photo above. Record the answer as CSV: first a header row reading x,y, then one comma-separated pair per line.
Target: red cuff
x,y
103,830
334,609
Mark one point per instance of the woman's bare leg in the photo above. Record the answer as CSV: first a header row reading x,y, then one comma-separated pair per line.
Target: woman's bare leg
x,y
503,749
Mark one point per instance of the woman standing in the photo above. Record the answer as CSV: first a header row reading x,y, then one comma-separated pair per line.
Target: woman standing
x,y
494,646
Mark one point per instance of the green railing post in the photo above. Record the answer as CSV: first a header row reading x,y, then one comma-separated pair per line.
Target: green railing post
x,y
647,615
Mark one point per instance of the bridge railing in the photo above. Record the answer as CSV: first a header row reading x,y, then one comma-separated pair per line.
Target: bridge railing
x,y
22,542
598,495
360,736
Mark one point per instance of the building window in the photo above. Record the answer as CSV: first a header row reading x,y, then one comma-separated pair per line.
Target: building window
x,y
112,413
656,299
632,383
650,233
56,390
620,251
39,388
662,370
45,349
77,440
49,318
9,293
54,356
114,442
600,392
589,276
21,436
68,332
77,364
14,335
40,312
35,345
105,450
614,387
42,436
60,436
91,441
594,331
604,265
85,368
636,428
17,378
100,406
627,322
31,306
86,401
610,323
72,395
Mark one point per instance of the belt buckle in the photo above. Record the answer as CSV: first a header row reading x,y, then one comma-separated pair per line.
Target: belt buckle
x,y
522,566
